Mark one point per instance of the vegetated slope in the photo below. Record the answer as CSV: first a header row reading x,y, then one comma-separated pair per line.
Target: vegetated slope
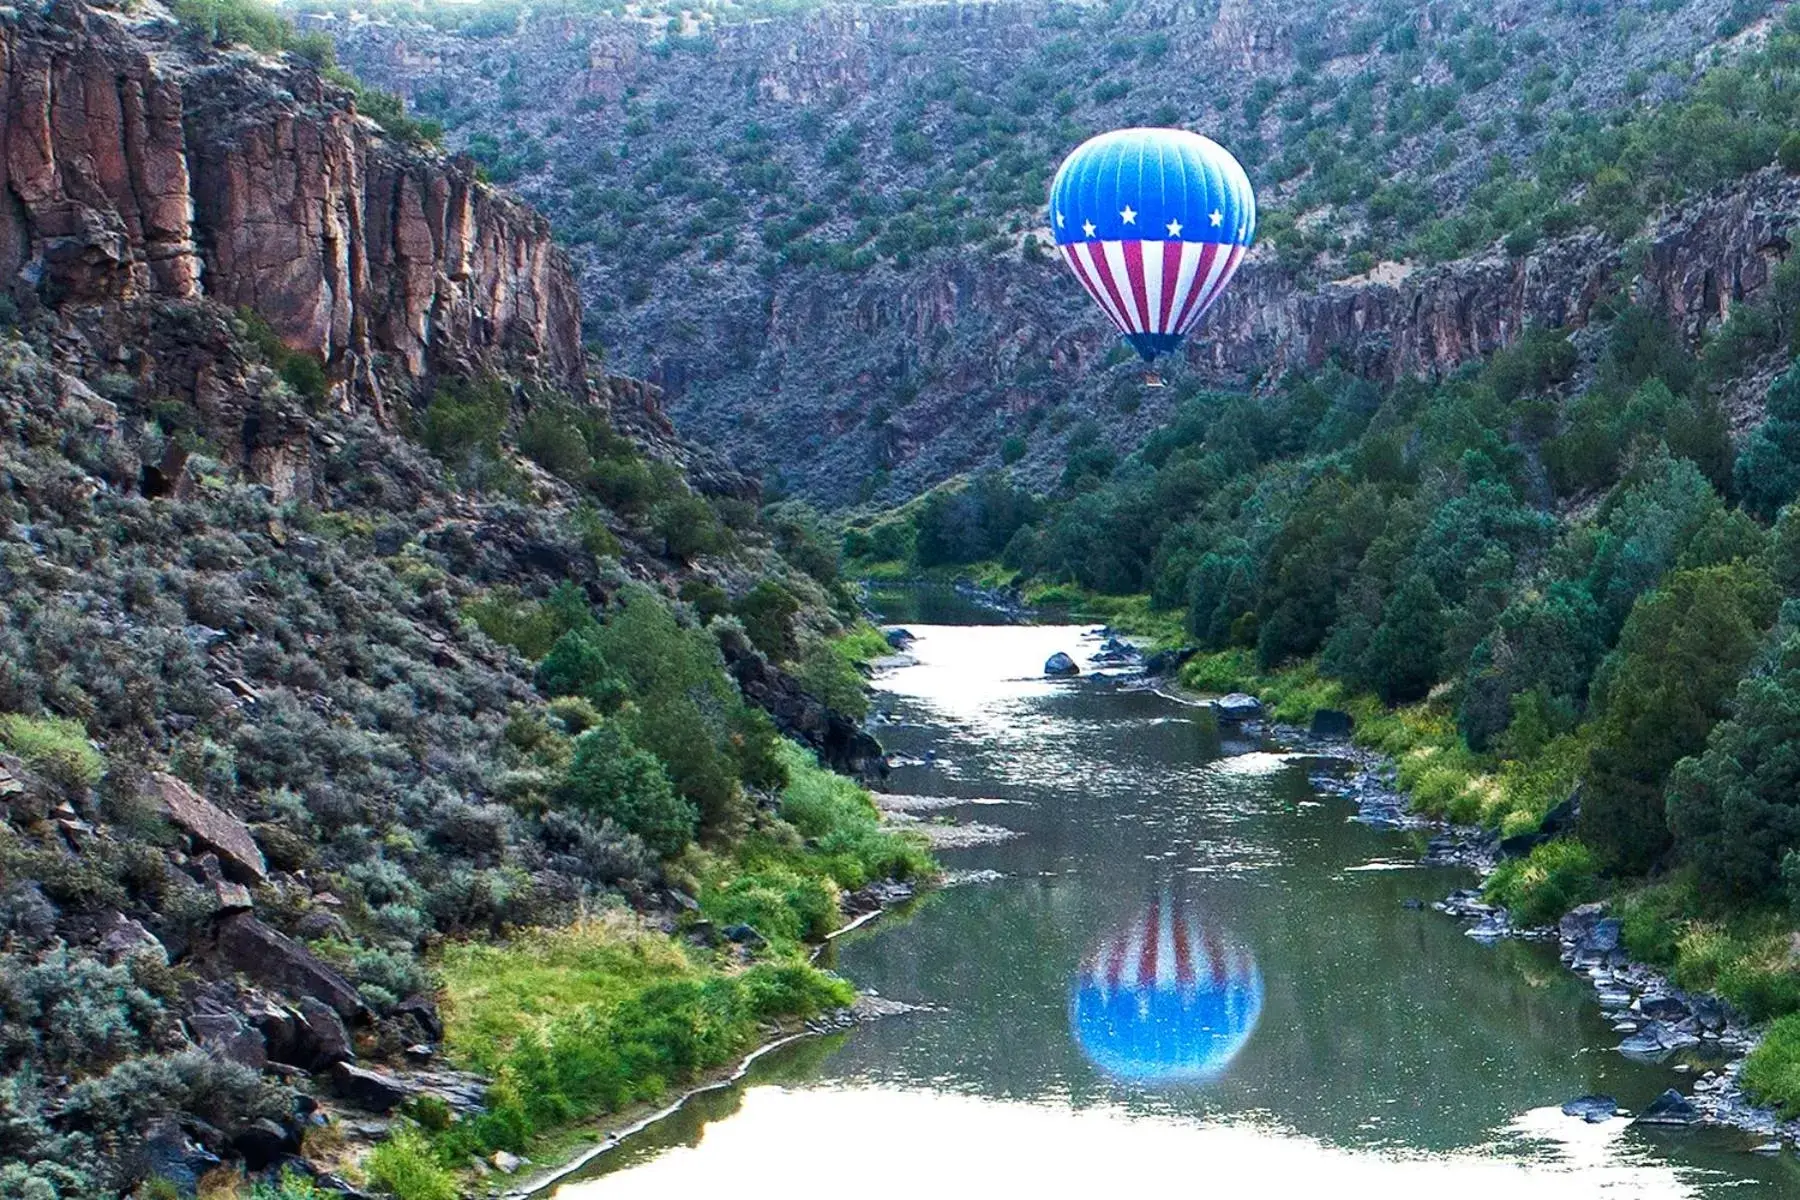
x,y
822,231
344,618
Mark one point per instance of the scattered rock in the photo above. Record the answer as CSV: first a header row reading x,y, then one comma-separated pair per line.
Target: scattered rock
x,y
422,1009
1060,665
376,1091
168,1153
1412,902
1670,1108
212,827
229,1035
1710,1013
321,1038
265,1142
1592,1109
122,938
744,935
505,1163
900,639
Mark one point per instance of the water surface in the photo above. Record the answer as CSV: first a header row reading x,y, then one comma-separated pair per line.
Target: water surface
x,y
1194,973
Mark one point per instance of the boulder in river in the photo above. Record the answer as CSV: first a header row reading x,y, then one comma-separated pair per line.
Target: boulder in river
x,y
1670,1108
1165,662
1592,1109
1060,665
1238,706
900,639
1331,723
1661,1006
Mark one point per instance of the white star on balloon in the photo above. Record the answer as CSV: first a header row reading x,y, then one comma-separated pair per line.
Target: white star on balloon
x,y
1174,229
1217,217
1127,215
1059,220
1087,227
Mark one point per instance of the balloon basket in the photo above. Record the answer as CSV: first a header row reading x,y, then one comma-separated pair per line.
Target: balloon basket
x,y
1152,379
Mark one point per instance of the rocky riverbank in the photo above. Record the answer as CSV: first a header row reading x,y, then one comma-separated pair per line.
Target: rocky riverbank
x,y
1697,1034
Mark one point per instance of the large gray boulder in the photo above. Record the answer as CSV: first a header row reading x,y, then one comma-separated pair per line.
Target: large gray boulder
x,y
1238,706
1060,666
212,827
1670,1108
279,962
1592,1109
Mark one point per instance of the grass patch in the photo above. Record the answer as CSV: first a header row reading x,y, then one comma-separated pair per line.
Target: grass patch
x,y
54,747
861,643
843,828
1542,886
583,1021
1130,615
1743,955
407,1165
1772,1070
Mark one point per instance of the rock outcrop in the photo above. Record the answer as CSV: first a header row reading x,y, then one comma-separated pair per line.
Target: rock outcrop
x,y
906,367
134,167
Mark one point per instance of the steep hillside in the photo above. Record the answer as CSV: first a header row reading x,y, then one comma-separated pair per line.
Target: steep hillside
x,y
821,232
349,628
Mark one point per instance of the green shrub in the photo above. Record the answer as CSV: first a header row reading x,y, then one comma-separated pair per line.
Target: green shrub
x,y
612,778
1789,153
768,611
241,22
1539,888
784,906
53,746
290,1186
406,1167
466,417
824,673
550,440
688,526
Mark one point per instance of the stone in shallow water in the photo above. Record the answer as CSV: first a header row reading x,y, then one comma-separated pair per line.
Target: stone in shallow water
x,y
1592,1109
1060,665
1238,706
1670,1108
1663,1007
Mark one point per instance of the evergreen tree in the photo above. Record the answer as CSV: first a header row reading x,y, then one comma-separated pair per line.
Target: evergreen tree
x,y
1659,694
1735,810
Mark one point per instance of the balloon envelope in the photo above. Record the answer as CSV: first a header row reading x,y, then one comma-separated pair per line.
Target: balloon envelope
x,y
1154,223
1166,998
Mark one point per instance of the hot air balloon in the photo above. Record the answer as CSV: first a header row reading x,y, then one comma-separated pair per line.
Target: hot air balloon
x,y
1154,223
1167,998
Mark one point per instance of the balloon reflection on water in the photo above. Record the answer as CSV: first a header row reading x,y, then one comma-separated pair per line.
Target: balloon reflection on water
x,y
1166,998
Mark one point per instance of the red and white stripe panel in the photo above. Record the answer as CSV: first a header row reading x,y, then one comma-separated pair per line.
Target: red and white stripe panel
x,y
1151,286
1166,948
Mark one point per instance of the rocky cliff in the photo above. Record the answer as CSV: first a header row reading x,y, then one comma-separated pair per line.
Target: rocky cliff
x,y
135,167
814,231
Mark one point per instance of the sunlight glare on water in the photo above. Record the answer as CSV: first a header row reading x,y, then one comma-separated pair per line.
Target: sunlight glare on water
x,y
911,1144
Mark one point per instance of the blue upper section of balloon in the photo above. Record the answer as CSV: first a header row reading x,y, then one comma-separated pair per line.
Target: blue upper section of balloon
x,y
1165,1034
1152,184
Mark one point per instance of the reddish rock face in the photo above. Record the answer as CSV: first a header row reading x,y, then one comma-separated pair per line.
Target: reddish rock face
x,y
133,168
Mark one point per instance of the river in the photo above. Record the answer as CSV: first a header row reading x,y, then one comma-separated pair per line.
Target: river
x,y
1194,974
